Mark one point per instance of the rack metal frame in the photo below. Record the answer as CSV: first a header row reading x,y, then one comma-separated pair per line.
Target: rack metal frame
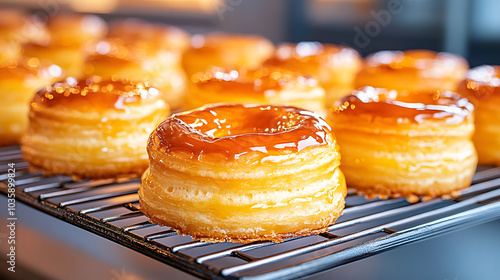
x,y
355,236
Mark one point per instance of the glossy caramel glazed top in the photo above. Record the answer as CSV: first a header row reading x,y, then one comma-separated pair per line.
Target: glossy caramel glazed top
x,y
444,106
252,82
482,82
94,94
233,130
293,56
28,68
429,63
75,29
133,31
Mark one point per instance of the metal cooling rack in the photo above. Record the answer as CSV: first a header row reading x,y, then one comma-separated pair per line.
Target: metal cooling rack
x,y
367,227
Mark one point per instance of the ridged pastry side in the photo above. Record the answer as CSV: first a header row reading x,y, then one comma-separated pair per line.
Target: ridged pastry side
x,y
218,201
430,164
409,146
80,144
243,173
92,128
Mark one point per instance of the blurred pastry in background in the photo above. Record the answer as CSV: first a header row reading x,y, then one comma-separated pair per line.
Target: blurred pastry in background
x,y
227,51
482,87
69,34
18,85
263,86
18,27
397,144
412,70
142,51
92,128
333,66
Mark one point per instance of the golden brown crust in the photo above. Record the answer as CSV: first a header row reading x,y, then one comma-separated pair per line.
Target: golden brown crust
x,y
265,175
92,128
320,227
405,145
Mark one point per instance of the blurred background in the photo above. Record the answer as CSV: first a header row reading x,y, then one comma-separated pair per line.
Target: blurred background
x,y
466,27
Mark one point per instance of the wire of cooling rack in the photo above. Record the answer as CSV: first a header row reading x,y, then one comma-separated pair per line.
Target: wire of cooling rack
x,y
367,227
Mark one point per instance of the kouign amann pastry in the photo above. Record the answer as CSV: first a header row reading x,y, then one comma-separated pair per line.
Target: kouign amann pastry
x,y
243,173
405,145
92,128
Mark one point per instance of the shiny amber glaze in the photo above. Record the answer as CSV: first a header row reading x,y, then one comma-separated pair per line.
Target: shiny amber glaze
x,y
161,36
251,82
94,93
482,82
233,130
417,108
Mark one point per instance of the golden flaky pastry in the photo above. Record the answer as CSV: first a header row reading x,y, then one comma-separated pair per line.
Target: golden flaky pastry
x,y
92,128
396,145
243,173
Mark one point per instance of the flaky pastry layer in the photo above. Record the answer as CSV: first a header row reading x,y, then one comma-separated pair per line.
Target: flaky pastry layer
x,y
104,141
244,201
263,192
398,144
